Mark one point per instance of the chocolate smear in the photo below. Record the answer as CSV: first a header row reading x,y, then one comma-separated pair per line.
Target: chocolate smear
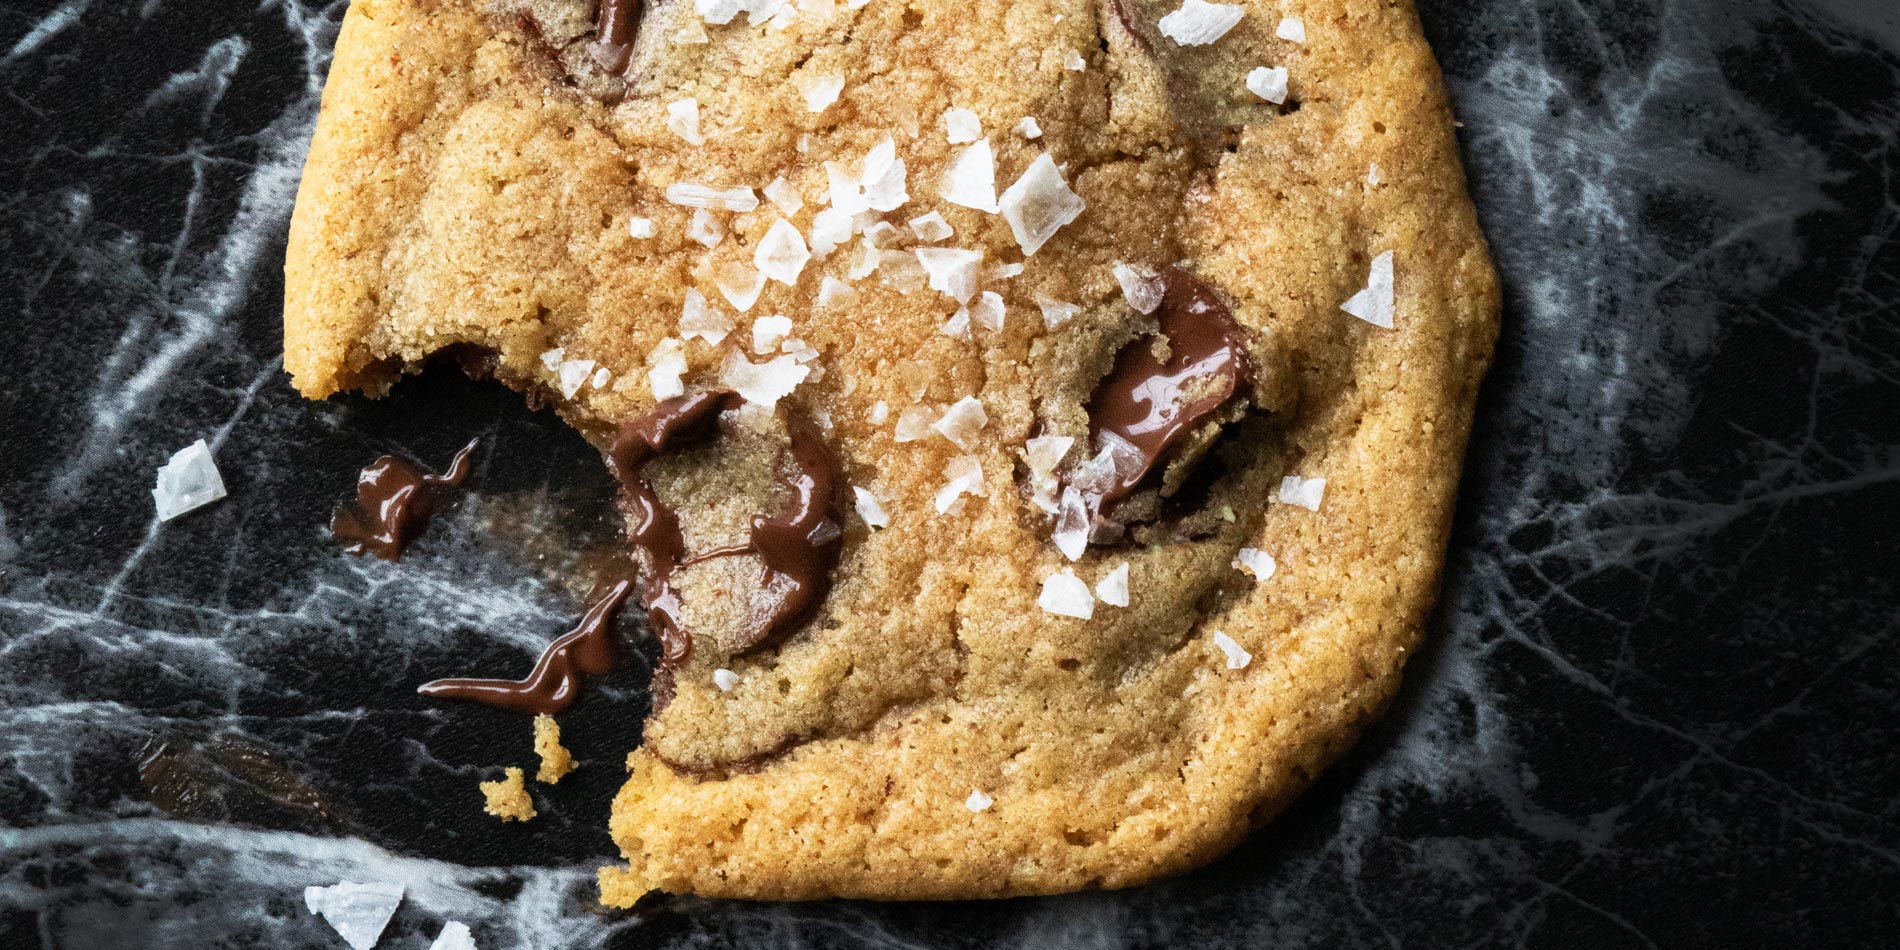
x,y
616,24
1152,403
394,501
798,549
587,650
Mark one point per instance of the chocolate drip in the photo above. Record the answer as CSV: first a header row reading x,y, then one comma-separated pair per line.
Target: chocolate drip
x,y
616,24
1153,403
798,549
394,501
587,650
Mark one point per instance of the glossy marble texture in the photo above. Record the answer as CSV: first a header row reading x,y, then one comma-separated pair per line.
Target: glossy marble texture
x,y
1658,708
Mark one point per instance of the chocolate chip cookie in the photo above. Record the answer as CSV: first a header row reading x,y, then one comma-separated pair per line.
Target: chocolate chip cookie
x,y
1038,422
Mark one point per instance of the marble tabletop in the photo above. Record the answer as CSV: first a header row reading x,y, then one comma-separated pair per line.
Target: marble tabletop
x,y
1658,703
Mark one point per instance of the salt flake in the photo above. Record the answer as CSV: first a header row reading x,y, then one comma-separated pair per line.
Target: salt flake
x,y
1039,204
357,912
1237,658
978,802
1304,492
970,178
962,422
1268,84
769,332
695,195
1291,28
1066,595
820,91
682,117
700,319
781,254
1113,589
1375,303
965,474
187,482
1256,562
1198,23
725,679
455,935
1140,287
952,270
962,125
870,509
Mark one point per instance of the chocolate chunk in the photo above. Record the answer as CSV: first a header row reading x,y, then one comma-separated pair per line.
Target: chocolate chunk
x,y
616,24
798,549
1153,403
394,501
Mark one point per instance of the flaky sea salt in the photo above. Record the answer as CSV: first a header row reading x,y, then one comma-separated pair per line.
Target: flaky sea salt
x,y
870,509
952,270
188,481
958,325
987,311
781,193
1028,128
1140,287
666,366
1304,492
725,679
962,125
762,384
829,228
1073,62
1375,303
701,319
769,332
357,912
978,802
1113,589
455,935
964,476
1198,23
882,177
695,195
931,227
551,359
1256,562
1066,595
682,116
739,284
1055,312
781,254
963,422
820,90
705,229
880,411
831,290
1268,83
640,227
573,374
1372,173
1291,28
1071,534
970,178
914,423
1039,204
601,377
1237,658
1005,271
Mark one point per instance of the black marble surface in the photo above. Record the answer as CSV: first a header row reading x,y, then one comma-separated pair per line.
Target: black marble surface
x,y
1658,708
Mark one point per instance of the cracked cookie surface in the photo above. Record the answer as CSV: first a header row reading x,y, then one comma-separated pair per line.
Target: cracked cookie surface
x,y
477,181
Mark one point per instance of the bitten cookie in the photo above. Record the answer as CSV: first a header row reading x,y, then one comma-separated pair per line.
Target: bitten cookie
x,y
1038,421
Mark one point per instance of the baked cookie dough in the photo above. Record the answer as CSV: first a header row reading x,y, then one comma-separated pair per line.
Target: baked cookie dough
x,y
1145,394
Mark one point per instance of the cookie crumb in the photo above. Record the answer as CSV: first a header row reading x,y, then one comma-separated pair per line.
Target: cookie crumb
x,y
508,798
556,761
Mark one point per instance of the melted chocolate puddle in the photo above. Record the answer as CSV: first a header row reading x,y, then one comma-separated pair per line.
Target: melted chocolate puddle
x,y
587,650
799,549
394,502
1154,403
